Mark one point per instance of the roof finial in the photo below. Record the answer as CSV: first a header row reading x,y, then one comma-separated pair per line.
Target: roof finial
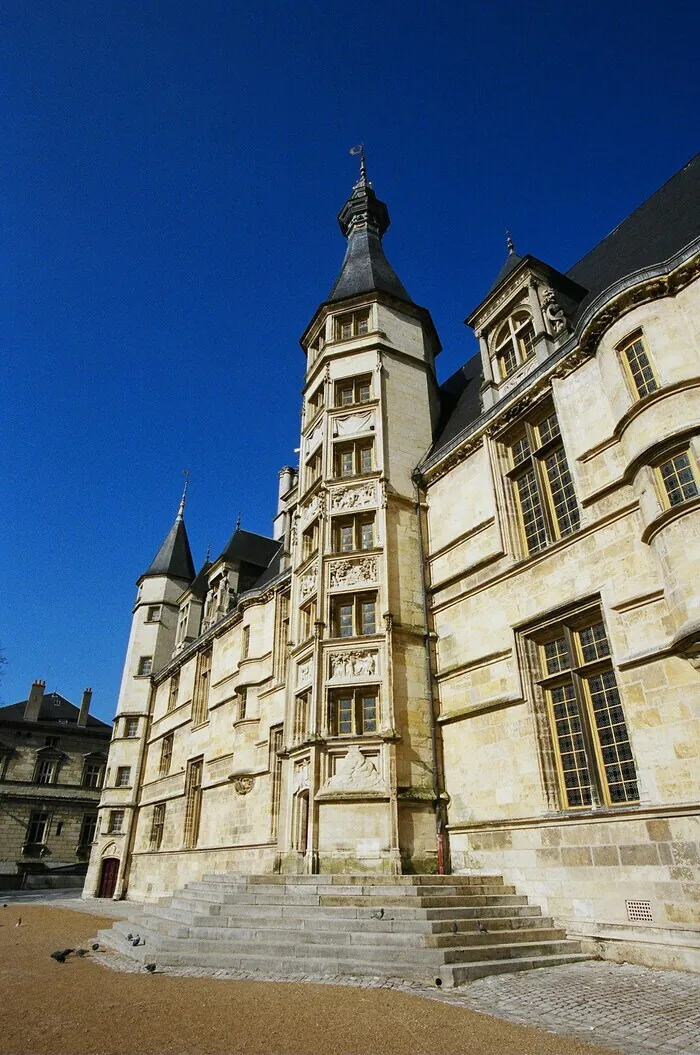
x,y
509,242
208,553
360,149
181,510
238,522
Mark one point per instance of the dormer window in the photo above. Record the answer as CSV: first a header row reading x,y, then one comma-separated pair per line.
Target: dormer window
x,y
354,325
514,343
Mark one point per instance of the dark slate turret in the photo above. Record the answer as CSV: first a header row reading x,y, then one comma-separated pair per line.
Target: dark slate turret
x,y
174,558
363,221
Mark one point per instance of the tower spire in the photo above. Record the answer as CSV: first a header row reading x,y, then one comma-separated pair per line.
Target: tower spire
x,y
181,510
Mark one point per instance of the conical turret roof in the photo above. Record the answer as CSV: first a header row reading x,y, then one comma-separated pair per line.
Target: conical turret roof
x,y
174,558
364,220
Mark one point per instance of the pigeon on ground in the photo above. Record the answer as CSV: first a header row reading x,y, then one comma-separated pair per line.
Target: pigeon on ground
x,y
81,952
138,940
61,955
150,967
19,922
130,937
482,928
378,914
454,926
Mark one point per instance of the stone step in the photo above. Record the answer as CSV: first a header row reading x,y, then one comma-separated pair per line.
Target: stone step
x,y
349,879
457,974
218,894
361,908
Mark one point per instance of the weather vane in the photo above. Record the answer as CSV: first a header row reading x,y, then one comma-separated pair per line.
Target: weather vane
x,y
181,510
509,242
360,149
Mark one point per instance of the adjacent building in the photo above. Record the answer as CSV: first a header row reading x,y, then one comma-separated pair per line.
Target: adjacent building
x,y
473,640
53,757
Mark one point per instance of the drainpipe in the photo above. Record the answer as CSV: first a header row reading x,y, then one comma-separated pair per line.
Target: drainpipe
x,y
441,835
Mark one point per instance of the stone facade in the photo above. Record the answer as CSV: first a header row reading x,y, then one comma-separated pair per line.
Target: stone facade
x,y
483,657
52,762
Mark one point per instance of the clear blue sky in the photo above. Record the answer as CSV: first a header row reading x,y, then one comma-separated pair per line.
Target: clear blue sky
x,y
171,177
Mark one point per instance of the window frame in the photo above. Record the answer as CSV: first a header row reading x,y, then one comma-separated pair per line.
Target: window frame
x,y
358,321
310,540
87,775
131,728
667,458
145,667
357,711
115,822
194,776
356,522
355,601
202,688
355,448
158,609
521,351
549,524
577,674
355,385
301,716
45,767
165,759
623,349
173,691
155,837
123,777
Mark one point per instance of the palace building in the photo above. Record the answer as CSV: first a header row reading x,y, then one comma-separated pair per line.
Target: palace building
x,y
472,641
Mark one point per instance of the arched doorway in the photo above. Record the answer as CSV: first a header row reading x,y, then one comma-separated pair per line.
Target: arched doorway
x,y
108,877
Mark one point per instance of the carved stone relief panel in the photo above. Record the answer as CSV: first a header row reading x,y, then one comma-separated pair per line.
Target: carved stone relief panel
x,y
353,572
310,510
353,497
516,378
304,670
301,775
307,584
355,772
357,664
352,424
314,437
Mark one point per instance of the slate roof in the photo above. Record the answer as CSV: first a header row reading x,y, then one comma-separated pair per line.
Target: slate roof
x,y
366,269
199,586
272,570
250,548
174,558
54,709
660,227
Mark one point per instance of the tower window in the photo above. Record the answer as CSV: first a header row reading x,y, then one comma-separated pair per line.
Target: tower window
x,y
514,343
309,540
678,476
123,777
313,469
145,666
307,618
354,459
638,367
353,325
353,533
541,483
353,713
131,727
354,616
593,755
316,401
245,642
301,717
153,613
173,690
353,390
242,697
202,680
116,821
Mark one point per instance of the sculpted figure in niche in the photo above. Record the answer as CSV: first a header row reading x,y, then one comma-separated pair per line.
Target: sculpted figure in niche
x,y
553,311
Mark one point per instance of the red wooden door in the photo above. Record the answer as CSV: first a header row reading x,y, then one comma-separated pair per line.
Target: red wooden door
x,y
108,877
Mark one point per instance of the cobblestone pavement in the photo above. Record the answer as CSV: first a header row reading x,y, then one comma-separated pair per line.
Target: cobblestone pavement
x,y
67,899
633,1009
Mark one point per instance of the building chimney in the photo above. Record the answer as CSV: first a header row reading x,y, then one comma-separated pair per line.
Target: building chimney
x,y
33,705
286,481
85,707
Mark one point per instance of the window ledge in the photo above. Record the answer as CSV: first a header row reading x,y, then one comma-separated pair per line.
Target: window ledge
x,y
690,505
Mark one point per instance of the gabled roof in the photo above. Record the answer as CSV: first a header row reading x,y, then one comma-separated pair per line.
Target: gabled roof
x,y
511,262
54,708
174,558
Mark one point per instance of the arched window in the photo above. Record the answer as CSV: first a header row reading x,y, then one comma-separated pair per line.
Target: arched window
x,y
514,343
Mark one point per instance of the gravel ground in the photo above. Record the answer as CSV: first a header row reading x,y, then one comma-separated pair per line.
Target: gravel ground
x,y
81,1008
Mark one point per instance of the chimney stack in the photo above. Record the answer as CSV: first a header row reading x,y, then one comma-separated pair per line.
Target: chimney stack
x,y
85,707
33,705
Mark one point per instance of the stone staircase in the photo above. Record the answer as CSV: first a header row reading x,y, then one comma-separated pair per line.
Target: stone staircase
x,y
438,930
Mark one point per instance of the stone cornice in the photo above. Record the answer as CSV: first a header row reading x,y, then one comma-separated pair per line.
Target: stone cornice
x,y
664,279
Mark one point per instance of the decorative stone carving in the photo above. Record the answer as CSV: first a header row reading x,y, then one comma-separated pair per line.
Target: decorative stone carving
x,y
307,584
553,311
360,664
243,785
310,510
353,497
315,437
301,775
352,424
353,572
355,772
304,671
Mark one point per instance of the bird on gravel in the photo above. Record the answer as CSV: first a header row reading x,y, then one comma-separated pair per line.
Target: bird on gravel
x,y
150,967
81,952
378,914
138,940
130,937
95,946
19,922
61,955
454,926
482,928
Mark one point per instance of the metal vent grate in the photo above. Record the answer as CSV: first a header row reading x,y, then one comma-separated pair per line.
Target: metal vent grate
x,y
639,911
